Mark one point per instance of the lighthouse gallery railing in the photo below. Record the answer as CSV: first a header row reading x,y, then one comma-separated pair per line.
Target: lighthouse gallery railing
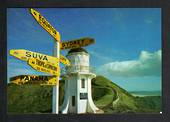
x,y
77,68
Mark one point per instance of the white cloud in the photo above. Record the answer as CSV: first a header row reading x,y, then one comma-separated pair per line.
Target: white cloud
x,y
148,64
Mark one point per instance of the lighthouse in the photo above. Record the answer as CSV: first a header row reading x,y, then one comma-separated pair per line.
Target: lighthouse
x,y
78,93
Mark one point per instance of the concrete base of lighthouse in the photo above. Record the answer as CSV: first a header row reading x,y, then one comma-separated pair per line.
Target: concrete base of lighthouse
x,y
78,92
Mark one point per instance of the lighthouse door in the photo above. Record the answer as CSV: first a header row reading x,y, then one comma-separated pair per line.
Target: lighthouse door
x,y
82,100
72,107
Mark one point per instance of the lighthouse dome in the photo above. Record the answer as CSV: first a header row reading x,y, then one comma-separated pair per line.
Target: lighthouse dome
x,y
79,59
77,50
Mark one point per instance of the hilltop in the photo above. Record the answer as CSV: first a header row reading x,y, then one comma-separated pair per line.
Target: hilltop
x,y
106,95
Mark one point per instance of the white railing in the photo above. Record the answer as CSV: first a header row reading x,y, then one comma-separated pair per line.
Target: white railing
x,y
77,68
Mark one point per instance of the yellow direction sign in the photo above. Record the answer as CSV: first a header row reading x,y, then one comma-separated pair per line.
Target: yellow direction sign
x,y
64,60
76,43
26,54
45,24
44,66
34,79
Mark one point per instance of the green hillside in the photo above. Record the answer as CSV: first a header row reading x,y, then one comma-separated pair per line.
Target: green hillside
x,y
114,99
106,95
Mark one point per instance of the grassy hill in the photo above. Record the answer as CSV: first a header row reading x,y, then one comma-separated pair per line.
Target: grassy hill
x,y
106,95
118,100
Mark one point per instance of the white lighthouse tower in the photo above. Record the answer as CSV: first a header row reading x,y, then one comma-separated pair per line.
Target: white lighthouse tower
x,y
78,94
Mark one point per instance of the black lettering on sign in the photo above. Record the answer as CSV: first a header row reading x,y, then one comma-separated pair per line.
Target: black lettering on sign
x,y
74,44
32,79
71,43
36,55
34,13
39,63
78,42
86,42
28,54
45,58
43,21
63,45
36,78
54,32
67,43
26,78
40,56
47,66
52,29
45,78
22,77
40,17
40,78
48,26
42,63
82,42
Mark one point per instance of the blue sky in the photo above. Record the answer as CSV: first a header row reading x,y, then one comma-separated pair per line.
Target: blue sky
x,y
127,48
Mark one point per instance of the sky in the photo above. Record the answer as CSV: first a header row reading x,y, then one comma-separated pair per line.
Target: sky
x,y
127,49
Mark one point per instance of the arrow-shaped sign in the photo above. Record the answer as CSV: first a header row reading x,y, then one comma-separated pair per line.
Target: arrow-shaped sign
x,y
45,67
76,43
64,60
45,24
26,54
34,79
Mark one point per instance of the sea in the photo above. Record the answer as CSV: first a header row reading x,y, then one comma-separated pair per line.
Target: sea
x,y
146,93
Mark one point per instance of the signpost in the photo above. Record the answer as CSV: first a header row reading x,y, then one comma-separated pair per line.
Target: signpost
x,y
45,63
34,79
45,24
50,29
55,98
44,66
76,43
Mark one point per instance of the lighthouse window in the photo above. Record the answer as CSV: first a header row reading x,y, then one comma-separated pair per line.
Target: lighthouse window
x,y
83,96
82,83
73,100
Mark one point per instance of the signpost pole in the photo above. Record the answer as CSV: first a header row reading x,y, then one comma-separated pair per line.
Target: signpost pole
x,y
55,97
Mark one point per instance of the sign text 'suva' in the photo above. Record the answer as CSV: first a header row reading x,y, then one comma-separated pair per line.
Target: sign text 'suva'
x,y
36,55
